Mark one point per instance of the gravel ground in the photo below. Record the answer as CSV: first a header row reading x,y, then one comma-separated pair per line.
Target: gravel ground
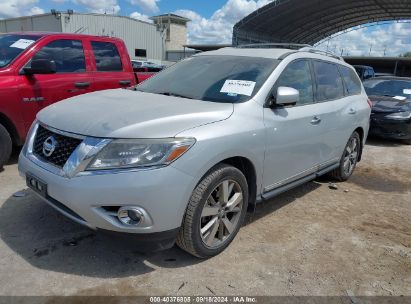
x,y
313,240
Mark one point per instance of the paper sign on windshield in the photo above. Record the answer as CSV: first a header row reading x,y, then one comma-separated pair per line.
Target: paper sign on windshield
x,y
400,98
407,91
22,44
242,87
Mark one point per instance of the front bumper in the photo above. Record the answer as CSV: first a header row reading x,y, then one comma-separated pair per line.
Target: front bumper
x,y
163,193
389,128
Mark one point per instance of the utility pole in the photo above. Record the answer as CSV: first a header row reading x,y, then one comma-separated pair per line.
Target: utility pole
x,y
370,49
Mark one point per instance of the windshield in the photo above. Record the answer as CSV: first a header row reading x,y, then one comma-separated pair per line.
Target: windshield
x,y
13,45
401,89
228,79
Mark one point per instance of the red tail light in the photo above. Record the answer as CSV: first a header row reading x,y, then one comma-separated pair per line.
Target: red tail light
x,y
369,103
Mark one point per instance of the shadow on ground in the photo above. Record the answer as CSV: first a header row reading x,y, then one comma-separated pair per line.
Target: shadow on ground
x,y
48,240
382,142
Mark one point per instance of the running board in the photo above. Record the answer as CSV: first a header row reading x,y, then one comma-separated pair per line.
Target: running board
x,y
284,188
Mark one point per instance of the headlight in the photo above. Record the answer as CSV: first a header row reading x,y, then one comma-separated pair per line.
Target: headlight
x,y
399,115
130,153
28,144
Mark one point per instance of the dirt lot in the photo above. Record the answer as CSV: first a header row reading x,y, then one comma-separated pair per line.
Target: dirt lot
x,y
309,241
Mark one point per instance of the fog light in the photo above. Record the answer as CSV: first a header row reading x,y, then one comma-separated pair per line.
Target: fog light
x,y
131,216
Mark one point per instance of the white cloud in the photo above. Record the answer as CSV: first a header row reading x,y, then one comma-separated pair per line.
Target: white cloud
x,y
219,27
16,8
139,16
36,10
100,6
148,6
389,40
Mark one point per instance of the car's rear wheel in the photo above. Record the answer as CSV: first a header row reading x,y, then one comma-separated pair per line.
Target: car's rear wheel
x,y
349,159
6,145
215,212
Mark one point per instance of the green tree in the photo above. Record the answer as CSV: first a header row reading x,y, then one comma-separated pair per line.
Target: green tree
x,y
407,54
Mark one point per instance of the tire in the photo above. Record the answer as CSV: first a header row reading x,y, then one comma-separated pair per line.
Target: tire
x,y
6,145
208,207
341,173
407,141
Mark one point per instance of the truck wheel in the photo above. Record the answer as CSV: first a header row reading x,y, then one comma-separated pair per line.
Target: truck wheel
x,y
407,141
349,159
215,212
5,146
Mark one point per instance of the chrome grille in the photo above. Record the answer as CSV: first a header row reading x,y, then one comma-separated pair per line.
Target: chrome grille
x,y
64,148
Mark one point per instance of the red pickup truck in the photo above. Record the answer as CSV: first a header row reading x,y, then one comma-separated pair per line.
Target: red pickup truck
x,y
38,69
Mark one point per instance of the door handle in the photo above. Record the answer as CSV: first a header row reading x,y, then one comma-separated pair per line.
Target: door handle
x,y
82,85
316,120
352,111
124,82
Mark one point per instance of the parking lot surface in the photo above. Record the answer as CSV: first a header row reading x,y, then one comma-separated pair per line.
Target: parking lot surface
x,y
312,240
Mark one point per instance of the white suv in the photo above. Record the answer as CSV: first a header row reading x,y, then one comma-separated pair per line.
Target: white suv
x,y
184,154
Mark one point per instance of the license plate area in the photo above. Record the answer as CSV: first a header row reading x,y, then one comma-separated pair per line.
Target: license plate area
x,y
36,185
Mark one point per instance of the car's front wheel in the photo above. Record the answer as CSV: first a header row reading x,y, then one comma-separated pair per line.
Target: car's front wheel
x,y
5,146
349,159
215,212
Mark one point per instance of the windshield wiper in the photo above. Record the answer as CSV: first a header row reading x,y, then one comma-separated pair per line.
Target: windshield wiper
x,y
174,95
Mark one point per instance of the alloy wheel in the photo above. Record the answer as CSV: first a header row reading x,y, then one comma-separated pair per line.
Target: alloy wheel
x,y
221,214
351,156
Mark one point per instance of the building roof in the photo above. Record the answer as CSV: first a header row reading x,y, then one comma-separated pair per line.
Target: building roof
x,y
60,34
310,21
170,16
75,13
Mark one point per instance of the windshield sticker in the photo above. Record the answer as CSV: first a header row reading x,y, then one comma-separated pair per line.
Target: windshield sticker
x,y
22,44
232,94
400,97
242,87
407,91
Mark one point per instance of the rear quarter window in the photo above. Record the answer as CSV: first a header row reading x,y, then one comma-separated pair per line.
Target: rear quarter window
x,y
351,80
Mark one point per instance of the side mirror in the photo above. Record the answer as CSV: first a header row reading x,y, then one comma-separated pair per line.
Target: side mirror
x,y
285,96
40,66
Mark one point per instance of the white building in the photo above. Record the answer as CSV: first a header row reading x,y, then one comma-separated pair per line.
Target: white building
x,y
144,40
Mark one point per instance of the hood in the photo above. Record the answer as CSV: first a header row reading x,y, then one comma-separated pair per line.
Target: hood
x,y
386,104
124,113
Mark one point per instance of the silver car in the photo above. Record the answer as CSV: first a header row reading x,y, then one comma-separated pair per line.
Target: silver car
x,y
182,156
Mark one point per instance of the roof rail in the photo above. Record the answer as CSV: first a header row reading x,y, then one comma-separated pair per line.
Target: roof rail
x,y
291,46
317,51
296,47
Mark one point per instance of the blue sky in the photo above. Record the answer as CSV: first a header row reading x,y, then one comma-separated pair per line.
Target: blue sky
x,y
213,20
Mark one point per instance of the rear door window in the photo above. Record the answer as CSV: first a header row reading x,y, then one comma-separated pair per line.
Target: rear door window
x,y
107,56
297,75
328,81
352,83
67,54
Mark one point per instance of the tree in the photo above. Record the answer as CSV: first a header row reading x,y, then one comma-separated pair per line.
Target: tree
x,y
407,54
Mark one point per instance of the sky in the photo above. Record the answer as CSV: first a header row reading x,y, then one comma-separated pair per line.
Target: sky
x,y
213,20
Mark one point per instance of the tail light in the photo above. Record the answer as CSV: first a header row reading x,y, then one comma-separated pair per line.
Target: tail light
x,y
369,103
